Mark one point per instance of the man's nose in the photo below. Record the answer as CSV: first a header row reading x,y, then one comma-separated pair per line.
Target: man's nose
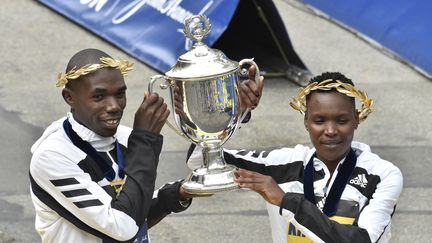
x,y
112,104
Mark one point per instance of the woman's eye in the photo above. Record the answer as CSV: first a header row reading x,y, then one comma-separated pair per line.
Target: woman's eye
x,y
318,121
342,121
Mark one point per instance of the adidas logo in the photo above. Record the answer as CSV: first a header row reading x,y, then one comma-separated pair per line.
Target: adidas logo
x,y
359,180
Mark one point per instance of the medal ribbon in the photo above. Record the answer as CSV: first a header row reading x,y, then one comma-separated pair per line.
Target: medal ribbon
x,y
86,147
108,171
333,198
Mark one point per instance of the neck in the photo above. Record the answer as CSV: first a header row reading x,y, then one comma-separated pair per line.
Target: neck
x,y
332,164
100,143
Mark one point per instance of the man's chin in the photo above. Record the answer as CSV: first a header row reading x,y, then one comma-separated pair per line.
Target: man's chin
x,y
107,132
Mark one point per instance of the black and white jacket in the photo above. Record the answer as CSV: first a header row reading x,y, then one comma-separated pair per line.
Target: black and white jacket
x,y
73,200
363,213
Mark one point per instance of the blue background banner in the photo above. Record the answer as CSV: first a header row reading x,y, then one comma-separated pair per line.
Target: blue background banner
x,y
404,27
150,30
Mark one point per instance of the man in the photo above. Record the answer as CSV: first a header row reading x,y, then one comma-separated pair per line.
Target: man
x,y
338,191
92,179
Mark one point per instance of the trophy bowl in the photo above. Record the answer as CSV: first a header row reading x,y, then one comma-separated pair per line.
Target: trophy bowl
x,y
205,97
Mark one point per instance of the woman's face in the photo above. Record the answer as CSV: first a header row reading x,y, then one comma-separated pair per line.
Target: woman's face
x,y
331,119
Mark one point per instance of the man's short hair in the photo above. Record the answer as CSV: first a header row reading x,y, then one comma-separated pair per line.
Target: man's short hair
x,y
82,58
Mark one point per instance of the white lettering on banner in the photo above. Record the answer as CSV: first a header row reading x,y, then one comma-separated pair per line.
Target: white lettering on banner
x,y
170,8
97,4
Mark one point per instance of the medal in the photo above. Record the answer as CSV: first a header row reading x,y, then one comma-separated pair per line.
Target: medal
x,y
330,203
117,185
106,168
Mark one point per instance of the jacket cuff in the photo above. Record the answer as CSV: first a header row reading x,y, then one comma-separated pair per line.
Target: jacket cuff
x,y
170,194
289,205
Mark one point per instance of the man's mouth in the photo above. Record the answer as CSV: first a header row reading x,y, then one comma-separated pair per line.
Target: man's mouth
x,y
112,121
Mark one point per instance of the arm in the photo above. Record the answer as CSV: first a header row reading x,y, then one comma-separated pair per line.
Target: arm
x,y
372,221
281,164
166,200
316,225
59,183
240,158
302,213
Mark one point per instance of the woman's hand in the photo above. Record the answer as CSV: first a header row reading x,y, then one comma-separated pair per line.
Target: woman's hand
x,y
262,184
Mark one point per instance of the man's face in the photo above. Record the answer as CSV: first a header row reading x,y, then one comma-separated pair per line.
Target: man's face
x,y
98,100
330,120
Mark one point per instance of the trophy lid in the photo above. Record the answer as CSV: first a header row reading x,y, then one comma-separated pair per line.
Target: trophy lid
x,y
201,61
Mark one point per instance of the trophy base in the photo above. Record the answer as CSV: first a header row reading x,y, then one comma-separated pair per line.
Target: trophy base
x,y
204,181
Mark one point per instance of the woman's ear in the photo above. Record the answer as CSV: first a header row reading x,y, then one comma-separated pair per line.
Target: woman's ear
x,y
68,96
357,118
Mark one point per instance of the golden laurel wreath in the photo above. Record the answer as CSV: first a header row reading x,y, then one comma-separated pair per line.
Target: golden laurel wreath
x,y
123,65
299,103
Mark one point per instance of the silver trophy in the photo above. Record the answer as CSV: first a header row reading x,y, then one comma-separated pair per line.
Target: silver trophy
x,y
205,98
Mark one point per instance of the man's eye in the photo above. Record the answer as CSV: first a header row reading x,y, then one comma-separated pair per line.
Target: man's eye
x,y
97,97
121,94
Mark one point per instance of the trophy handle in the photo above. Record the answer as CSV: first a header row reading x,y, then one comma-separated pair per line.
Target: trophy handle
x,y
244,71
165,85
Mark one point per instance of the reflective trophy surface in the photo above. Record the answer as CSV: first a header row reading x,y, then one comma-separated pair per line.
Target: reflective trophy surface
x,y
204,92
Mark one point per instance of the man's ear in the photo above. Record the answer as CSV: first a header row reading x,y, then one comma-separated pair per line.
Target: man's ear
x,y
305,121
68,96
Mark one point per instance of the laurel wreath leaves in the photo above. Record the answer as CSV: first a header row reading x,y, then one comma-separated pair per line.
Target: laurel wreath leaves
x,y
299,103
121,64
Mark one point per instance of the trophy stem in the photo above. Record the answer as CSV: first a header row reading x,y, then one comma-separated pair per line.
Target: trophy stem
x,y
214,176
213,158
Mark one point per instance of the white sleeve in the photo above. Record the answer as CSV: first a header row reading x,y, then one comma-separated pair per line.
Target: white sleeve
x,y
74,190
376,216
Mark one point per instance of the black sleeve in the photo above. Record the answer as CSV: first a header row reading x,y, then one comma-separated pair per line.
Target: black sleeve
x,y
141,162
307,215
241,163
166,202
244,163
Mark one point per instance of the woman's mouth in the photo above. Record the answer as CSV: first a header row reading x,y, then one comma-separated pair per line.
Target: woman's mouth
x,y
331,144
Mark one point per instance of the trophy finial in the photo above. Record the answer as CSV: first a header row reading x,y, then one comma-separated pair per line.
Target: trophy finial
x,y
197,27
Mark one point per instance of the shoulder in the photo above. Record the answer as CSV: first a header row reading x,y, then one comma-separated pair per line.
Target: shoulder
x,y
55,152
375,165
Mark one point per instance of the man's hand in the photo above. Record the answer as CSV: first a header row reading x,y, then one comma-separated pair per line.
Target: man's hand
x,y
250,91
151,114
262,184
183,195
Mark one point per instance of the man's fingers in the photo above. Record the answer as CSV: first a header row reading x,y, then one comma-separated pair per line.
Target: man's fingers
x,y
152,113
253,87
162,121
246,102
261,84
252,72
249,97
